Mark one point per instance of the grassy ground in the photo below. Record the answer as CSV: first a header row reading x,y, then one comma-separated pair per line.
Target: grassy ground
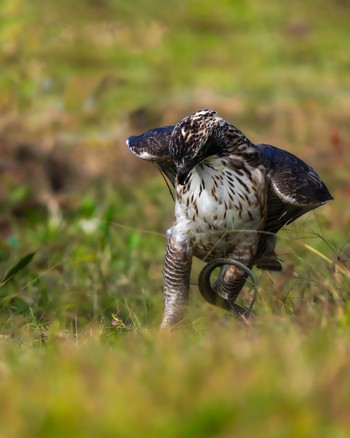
x,y
80,349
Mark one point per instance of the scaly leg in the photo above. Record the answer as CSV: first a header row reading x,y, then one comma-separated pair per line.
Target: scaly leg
x,y
232,279
231,282
177,270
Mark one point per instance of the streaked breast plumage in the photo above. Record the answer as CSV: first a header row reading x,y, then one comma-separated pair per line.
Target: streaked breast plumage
x,y
219,205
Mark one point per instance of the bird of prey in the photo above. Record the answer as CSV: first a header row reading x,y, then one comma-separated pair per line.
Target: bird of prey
x,y
231,197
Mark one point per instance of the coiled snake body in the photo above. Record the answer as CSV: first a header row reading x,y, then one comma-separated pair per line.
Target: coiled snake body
x,y
212,297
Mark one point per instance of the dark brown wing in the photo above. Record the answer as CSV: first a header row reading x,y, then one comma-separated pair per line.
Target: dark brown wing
x,y
295,187
153,146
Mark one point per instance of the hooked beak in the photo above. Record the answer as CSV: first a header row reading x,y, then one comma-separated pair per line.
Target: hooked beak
x,y
182,175
182,172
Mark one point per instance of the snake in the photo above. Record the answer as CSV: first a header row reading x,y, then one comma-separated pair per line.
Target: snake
x,y
212,297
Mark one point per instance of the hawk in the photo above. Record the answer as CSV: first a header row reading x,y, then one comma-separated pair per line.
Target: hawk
x,y
231,198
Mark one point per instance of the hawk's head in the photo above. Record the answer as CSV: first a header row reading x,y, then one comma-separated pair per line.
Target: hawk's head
x,y
193,139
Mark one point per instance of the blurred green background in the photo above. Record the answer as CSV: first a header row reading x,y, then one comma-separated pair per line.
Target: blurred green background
x,y
76,80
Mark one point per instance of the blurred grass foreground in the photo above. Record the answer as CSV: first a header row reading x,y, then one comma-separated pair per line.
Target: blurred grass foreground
x,y
82,221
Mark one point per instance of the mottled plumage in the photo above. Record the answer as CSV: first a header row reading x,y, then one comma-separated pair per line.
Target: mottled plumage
x,y
231,197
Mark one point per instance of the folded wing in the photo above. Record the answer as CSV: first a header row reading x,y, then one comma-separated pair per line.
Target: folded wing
x,y
295,187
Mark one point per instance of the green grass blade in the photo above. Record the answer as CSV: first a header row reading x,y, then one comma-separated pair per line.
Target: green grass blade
x,y
23,262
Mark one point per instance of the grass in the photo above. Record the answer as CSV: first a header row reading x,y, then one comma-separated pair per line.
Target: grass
x,y
275,378
80,349
82,354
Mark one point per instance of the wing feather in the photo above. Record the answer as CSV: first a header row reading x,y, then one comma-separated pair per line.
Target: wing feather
x,y
295,188
293,181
